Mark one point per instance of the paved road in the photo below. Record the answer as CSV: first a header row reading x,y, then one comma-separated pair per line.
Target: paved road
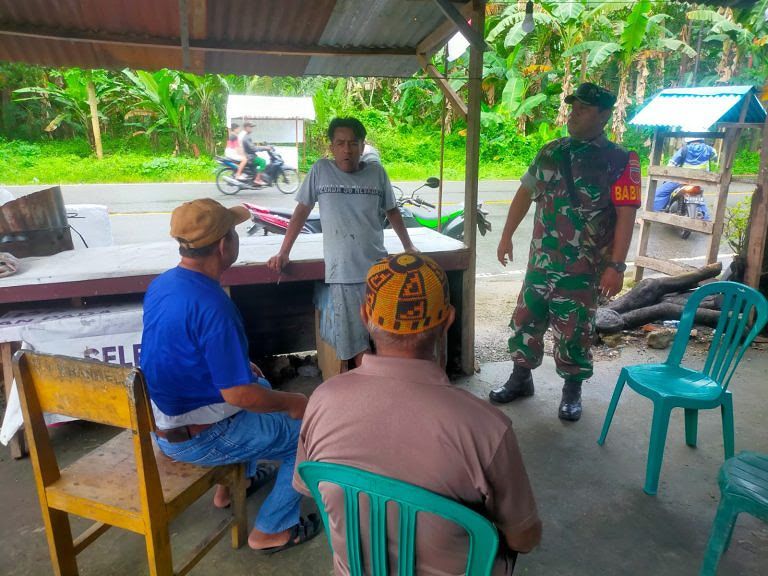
x,y
141,212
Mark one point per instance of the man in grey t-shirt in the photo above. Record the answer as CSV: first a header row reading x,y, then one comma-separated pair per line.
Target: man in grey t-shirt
x,y
354,197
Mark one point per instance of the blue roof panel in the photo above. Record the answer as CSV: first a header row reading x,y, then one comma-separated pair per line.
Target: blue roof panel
x,y
699,109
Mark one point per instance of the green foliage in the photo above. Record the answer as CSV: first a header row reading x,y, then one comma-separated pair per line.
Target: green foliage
x,y
736,225
746,162
154,121
71,162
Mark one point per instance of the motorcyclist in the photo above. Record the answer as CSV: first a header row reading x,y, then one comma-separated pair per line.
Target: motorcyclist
x,y
234,149
251,149
695,154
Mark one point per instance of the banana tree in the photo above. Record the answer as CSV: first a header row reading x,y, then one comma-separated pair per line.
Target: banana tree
x,y
731,39
163,103
640,36
76,100
560,28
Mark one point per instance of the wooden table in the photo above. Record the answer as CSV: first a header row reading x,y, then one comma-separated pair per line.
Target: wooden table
x,y
277,309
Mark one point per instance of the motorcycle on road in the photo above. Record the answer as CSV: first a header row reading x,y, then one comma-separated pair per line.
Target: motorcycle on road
x,y
275,174
416,213
687,200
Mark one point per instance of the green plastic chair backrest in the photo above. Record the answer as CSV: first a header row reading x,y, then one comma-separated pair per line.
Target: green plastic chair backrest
x,y
733,334
483,536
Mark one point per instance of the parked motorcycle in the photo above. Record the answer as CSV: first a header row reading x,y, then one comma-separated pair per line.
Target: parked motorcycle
x,y
415,211
686,200
275,174
420,213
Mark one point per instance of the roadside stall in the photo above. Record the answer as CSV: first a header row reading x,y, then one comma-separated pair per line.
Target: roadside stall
x,y
280,120
329,38
719,114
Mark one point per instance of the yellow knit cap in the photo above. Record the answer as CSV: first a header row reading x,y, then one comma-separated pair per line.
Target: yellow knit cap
x,y
406,294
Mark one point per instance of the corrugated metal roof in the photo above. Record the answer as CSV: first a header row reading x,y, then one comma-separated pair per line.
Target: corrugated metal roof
x,y
265,37
699,109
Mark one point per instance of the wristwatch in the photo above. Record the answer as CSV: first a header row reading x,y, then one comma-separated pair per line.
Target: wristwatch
x,y
618,266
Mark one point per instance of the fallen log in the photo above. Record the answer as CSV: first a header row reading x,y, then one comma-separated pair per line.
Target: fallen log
x,y
710,302
609,321
651,290
667,311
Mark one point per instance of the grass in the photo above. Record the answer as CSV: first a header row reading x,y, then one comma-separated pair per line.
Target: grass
x,y
72,162
407,155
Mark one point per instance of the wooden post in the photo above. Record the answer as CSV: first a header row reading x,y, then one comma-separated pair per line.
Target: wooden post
x,y
94,105
645,226
471,176
758,219
730,143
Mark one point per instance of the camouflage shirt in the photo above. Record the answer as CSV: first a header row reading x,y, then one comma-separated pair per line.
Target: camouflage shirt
x,y
575,237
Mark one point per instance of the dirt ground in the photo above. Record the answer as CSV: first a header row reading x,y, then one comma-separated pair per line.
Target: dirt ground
x,y
496,299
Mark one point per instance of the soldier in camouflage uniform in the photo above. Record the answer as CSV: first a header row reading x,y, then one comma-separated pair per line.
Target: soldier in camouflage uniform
x,y
587,190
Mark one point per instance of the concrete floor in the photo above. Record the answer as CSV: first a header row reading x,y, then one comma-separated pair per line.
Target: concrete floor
x,y
597,520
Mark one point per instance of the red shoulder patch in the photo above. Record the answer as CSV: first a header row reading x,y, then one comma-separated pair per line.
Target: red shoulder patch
x,y
626,190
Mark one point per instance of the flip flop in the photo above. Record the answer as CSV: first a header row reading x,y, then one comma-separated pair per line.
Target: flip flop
x,y
304,531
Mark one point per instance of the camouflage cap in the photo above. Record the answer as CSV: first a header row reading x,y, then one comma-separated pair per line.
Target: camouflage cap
x,y
406,294
592,95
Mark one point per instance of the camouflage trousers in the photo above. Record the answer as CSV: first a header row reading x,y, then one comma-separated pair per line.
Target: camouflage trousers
x,y
567,303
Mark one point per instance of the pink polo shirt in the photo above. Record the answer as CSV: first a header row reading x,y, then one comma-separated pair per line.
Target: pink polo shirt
x,y
403,419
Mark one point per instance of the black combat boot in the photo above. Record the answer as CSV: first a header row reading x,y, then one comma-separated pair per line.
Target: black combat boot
x,y
519,385
570,405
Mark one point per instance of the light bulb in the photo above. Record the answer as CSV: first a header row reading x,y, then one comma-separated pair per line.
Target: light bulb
x,y
528,20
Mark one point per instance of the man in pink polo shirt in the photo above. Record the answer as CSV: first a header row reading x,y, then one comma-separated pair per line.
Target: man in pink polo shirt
x,y
399,416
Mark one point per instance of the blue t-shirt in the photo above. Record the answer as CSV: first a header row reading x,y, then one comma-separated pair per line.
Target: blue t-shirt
x,y
194,342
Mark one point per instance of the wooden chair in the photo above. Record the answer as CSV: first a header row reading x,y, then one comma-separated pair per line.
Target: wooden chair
x,y
126,482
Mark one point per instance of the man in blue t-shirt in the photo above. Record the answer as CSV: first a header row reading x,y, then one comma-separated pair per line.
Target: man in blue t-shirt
x,y
213,406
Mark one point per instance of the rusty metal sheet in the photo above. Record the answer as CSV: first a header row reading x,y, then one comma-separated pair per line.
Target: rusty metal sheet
x,y
35,225
145,34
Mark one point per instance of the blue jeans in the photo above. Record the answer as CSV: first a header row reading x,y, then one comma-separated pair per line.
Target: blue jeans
x,y
249,437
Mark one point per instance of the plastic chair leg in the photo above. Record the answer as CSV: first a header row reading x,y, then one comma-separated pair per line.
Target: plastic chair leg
x,y
720,537
691,426
659,427
726,409
612,407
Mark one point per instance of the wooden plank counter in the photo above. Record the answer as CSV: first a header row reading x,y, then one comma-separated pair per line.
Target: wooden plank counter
x,y
129,268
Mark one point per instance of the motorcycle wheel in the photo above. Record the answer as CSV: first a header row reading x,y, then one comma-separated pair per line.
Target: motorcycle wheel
x,y
222,184
288,181
693,212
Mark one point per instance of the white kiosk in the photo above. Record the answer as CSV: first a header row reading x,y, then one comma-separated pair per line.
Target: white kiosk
x,y
279,121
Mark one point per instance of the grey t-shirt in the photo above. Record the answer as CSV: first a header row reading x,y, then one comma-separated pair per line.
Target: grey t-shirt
x,y
352,206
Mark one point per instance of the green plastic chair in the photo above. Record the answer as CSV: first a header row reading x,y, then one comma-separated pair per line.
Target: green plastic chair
x,y
743,488
670,385
483,536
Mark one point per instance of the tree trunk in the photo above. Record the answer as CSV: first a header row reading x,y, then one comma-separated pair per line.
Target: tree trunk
x,y
663,311
642,78
685,36
562,112
649,291
94,104
583,77
622,102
